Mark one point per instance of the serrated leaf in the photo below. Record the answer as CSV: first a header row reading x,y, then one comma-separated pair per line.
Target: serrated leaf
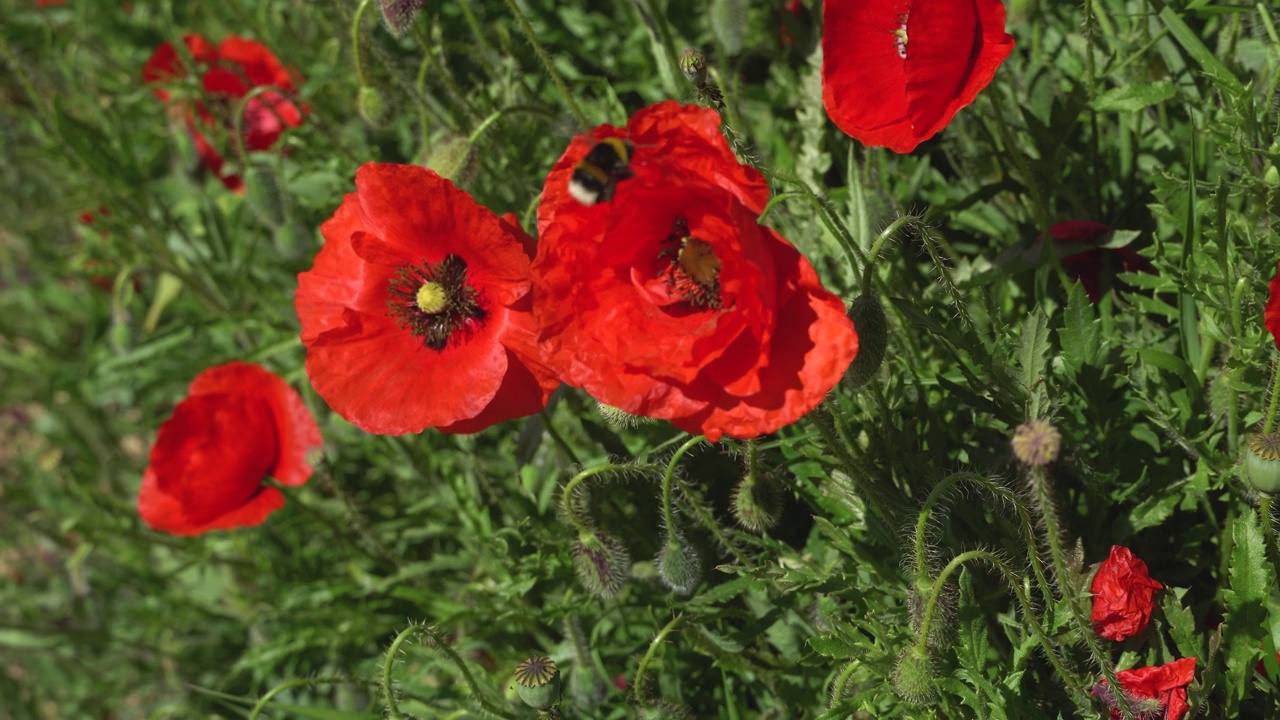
x,y
1033,352
1245,604
1081,336
1134,96
835,645
1182,626
1171,363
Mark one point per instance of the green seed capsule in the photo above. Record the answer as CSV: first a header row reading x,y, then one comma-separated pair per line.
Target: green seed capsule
x,y
538,682
1262,463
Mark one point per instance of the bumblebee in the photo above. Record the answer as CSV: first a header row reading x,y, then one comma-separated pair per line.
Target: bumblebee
x,y
596,176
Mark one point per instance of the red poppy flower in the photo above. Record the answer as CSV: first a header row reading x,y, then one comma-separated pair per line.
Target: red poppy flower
x,y
1272,315
1077,241
416,312
1158,693
894,72
238,425
671,301
47,3
1122,595
228,73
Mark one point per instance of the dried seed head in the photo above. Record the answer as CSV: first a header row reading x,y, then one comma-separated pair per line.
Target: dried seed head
x,y
602,563
1036,443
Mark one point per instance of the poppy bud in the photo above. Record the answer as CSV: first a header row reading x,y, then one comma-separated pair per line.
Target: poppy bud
x,y
602,563
664,710
679,565
694,66
1036,443
399,14
757,503
262,192
1272,176
538,682
913,677
1262,463
452,159
869,322
371,105
618,418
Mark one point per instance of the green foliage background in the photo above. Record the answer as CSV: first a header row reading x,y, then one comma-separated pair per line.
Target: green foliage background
x,y
1159,119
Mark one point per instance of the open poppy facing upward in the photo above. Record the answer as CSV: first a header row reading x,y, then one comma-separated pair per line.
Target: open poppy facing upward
x,y
228,73
670,300
239,425
416,312
895,72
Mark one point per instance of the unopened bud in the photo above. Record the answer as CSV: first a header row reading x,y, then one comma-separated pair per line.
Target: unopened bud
x,y
679,565
399,14
869,321
452,159
663,710
913,677
757,506
694,66
1036,443
371,105
602,563
1262,463
538,682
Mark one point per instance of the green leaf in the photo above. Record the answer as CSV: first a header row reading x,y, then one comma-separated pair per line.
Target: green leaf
x,y
835,645
1182,626
1033,351
1191,42
1134,97
1172,363
1245,601
1081,336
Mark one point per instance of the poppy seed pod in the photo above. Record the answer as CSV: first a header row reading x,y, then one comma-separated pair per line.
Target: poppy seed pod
x,y
538,682
1036,443
867,314
1262,463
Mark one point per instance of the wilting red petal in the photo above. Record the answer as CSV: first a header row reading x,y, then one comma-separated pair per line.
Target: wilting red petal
x,y
1123,595
1165,683
238,425
378,374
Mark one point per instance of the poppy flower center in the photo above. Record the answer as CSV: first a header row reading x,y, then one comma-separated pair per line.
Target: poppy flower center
x,y
433,302
692,272
1266,446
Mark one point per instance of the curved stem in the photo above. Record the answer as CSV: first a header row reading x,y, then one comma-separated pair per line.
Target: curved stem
x,y
638,683
667,516
824,214
566,494
300,682
546,63
556,437
1274,400
874,253
841,682
355,42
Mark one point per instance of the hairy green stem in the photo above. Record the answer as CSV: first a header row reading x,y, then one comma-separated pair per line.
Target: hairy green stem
x,y
637,685
566,495
1274,400
667,516
841,682
708,521
546,63
355,42
300,682
874,254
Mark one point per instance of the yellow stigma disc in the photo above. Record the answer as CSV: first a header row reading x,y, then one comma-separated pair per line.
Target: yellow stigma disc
x,y
431,298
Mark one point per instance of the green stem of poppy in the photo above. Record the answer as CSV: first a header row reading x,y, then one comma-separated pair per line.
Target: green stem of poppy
x,y
355,42
300,682
557,438
1274,400
667,516
546,63
838,231
637,685
566,495
841,682
874,253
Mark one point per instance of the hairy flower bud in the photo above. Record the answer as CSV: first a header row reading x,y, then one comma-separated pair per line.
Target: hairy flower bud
x,y
538,682
1262,462
869,321
602,563
679,565
453,158
399,14
371,105
757,505
618,418
694,65
913,677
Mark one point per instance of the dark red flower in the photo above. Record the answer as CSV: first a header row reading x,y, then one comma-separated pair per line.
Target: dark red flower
x,y
1271,317
1077,242
894,72
671,301
1122,595
416,312
47,3
1154,693
238,425
228,73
